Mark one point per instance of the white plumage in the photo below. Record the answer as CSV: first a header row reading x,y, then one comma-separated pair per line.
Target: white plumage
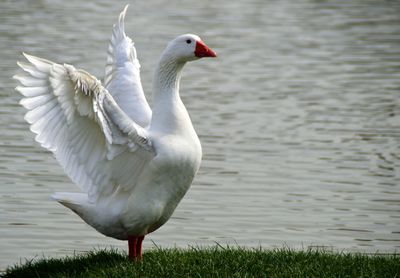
x,y
132,165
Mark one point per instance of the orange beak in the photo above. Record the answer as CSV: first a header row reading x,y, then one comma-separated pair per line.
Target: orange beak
x,y
202,50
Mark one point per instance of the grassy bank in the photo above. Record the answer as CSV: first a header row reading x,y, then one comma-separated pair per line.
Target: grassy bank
x,y
214,262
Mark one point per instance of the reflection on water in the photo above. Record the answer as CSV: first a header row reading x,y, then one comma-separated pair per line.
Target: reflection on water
x,y
299,118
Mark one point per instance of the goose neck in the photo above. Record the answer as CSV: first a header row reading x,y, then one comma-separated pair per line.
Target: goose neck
x,y
167,78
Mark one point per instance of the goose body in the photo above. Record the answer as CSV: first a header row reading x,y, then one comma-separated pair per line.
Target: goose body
x,y
133,164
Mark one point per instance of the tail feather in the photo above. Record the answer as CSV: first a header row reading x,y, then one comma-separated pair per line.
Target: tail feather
x,y
71,200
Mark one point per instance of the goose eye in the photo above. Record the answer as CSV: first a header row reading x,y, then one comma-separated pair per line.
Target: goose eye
x,y
188,41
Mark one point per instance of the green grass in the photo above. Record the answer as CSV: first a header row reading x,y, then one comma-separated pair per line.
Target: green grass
x,y
213,262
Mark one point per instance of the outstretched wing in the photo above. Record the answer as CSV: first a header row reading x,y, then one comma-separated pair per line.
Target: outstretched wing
x,y
98,145
122,77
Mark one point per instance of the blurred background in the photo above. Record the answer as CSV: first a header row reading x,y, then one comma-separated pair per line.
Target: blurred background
x,y
299,119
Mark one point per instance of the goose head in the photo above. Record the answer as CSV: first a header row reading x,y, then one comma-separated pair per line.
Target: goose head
x,y
187,48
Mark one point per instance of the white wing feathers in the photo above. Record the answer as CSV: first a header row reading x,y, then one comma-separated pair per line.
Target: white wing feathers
x,y
76,118
122,75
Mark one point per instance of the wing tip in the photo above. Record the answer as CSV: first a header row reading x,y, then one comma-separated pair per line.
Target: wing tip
x,y
30,58
26,55
121,20
125,8
22,65
16,77
123,12
40,64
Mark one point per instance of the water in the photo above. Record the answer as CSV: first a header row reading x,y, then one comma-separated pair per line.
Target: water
x,y
299,119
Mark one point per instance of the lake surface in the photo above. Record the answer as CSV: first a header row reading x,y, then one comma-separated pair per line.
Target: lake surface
x,y
299,119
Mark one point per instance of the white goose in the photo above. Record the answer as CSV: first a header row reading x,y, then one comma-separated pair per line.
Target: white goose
x,y
134,165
